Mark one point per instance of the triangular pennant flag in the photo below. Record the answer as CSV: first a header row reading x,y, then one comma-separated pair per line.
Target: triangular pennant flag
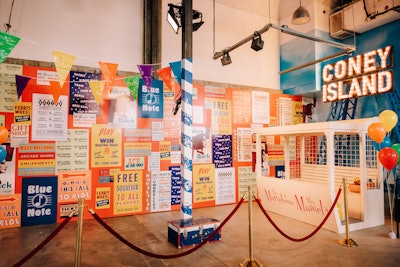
x,y
145,71
63,63
133,85
55,90
109,72
177,70
165,75
97,88
7,44
21,82
177,92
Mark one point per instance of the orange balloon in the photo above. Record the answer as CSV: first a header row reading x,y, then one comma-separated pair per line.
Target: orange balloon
x,y
377,132
3,134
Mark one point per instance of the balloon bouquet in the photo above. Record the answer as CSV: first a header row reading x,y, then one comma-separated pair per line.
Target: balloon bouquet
x,y
388,154
3,138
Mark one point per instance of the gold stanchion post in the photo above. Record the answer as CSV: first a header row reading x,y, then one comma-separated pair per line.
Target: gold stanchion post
x,y
250,262
346,241
81,202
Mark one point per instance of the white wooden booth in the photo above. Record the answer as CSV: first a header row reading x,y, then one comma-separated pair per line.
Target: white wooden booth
x,y
316,158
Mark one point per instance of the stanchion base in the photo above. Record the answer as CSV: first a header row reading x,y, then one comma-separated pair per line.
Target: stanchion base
x,y
347,242
250,263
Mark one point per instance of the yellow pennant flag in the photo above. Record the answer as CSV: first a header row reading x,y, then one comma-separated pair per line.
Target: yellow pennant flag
x,y
64,63
97,90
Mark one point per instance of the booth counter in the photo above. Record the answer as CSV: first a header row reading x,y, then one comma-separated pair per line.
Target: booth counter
x,y
318,159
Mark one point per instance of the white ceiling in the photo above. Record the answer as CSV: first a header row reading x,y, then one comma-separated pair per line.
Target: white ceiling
x,y
261,7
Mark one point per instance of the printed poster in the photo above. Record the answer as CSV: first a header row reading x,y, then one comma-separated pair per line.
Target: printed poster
x,y
73,185
201,138
50,120
80,94
39,201
246,178
171,122
23,113
10,211
160,191
106,146
176,183
244,141
260,107
36,159
242,99
151,102
221,116
7,171
203,183
8,87
73,154
225,186
103,197
222,151
128,192
19,134
165,150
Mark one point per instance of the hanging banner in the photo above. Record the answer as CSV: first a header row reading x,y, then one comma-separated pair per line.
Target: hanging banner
x,y
133,85
145,71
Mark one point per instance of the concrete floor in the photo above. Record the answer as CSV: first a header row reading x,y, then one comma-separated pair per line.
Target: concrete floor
x,y
149,232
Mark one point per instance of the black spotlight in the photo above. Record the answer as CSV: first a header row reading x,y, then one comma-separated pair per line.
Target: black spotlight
x,y
257,43
197,20
172,17
226,59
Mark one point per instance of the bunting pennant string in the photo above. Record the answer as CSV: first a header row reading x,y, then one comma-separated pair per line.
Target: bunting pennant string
x,y
109,72
63,63
97,88
177,70
21,82
7,44
55,90
165,75
145,72
133,85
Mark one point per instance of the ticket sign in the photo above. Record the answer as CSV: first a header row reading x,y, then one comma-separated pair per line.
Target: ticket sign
x,y
362,75
39,201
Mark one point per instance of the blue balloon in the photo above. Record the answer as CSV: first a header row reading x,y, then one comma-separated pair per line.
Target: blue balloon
x,y
385,142
376,146
3,153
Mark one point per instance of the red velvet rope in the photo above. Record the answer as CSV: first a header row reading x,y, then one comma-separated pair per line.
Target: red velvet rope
x,y
312,233
44,242
150,254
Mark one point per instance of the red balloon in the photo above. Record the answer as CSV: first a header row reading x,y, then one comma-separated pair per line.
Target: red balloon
x,y
388,157
377,132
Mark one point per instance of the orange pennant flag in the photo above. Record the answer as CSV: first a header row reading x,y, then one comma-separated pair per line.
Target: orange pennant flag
x,y
109,72
55,90
165,75
97,88
63,63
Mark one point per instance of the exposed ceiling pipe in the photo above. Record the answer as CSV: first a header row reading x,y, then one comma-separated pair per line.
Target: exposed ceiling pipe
x,y
347,48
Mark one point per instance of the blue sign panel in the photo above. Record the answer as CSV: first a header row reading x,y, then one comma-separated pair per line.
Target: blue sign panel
x,y
39,201
151,100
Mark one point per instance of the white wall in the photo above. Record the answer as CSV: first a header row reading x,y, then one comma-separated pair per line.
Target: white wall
x,y
111,31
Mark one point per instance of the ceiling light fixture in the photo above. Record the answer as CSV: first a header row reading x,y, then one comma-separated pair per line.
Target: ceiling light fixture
x,y
300,16
226,59
257,43
174,15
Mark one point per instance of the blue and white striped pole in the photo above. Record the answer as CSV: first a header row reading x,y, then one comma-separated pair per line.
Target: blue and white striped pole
x,y
186,139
